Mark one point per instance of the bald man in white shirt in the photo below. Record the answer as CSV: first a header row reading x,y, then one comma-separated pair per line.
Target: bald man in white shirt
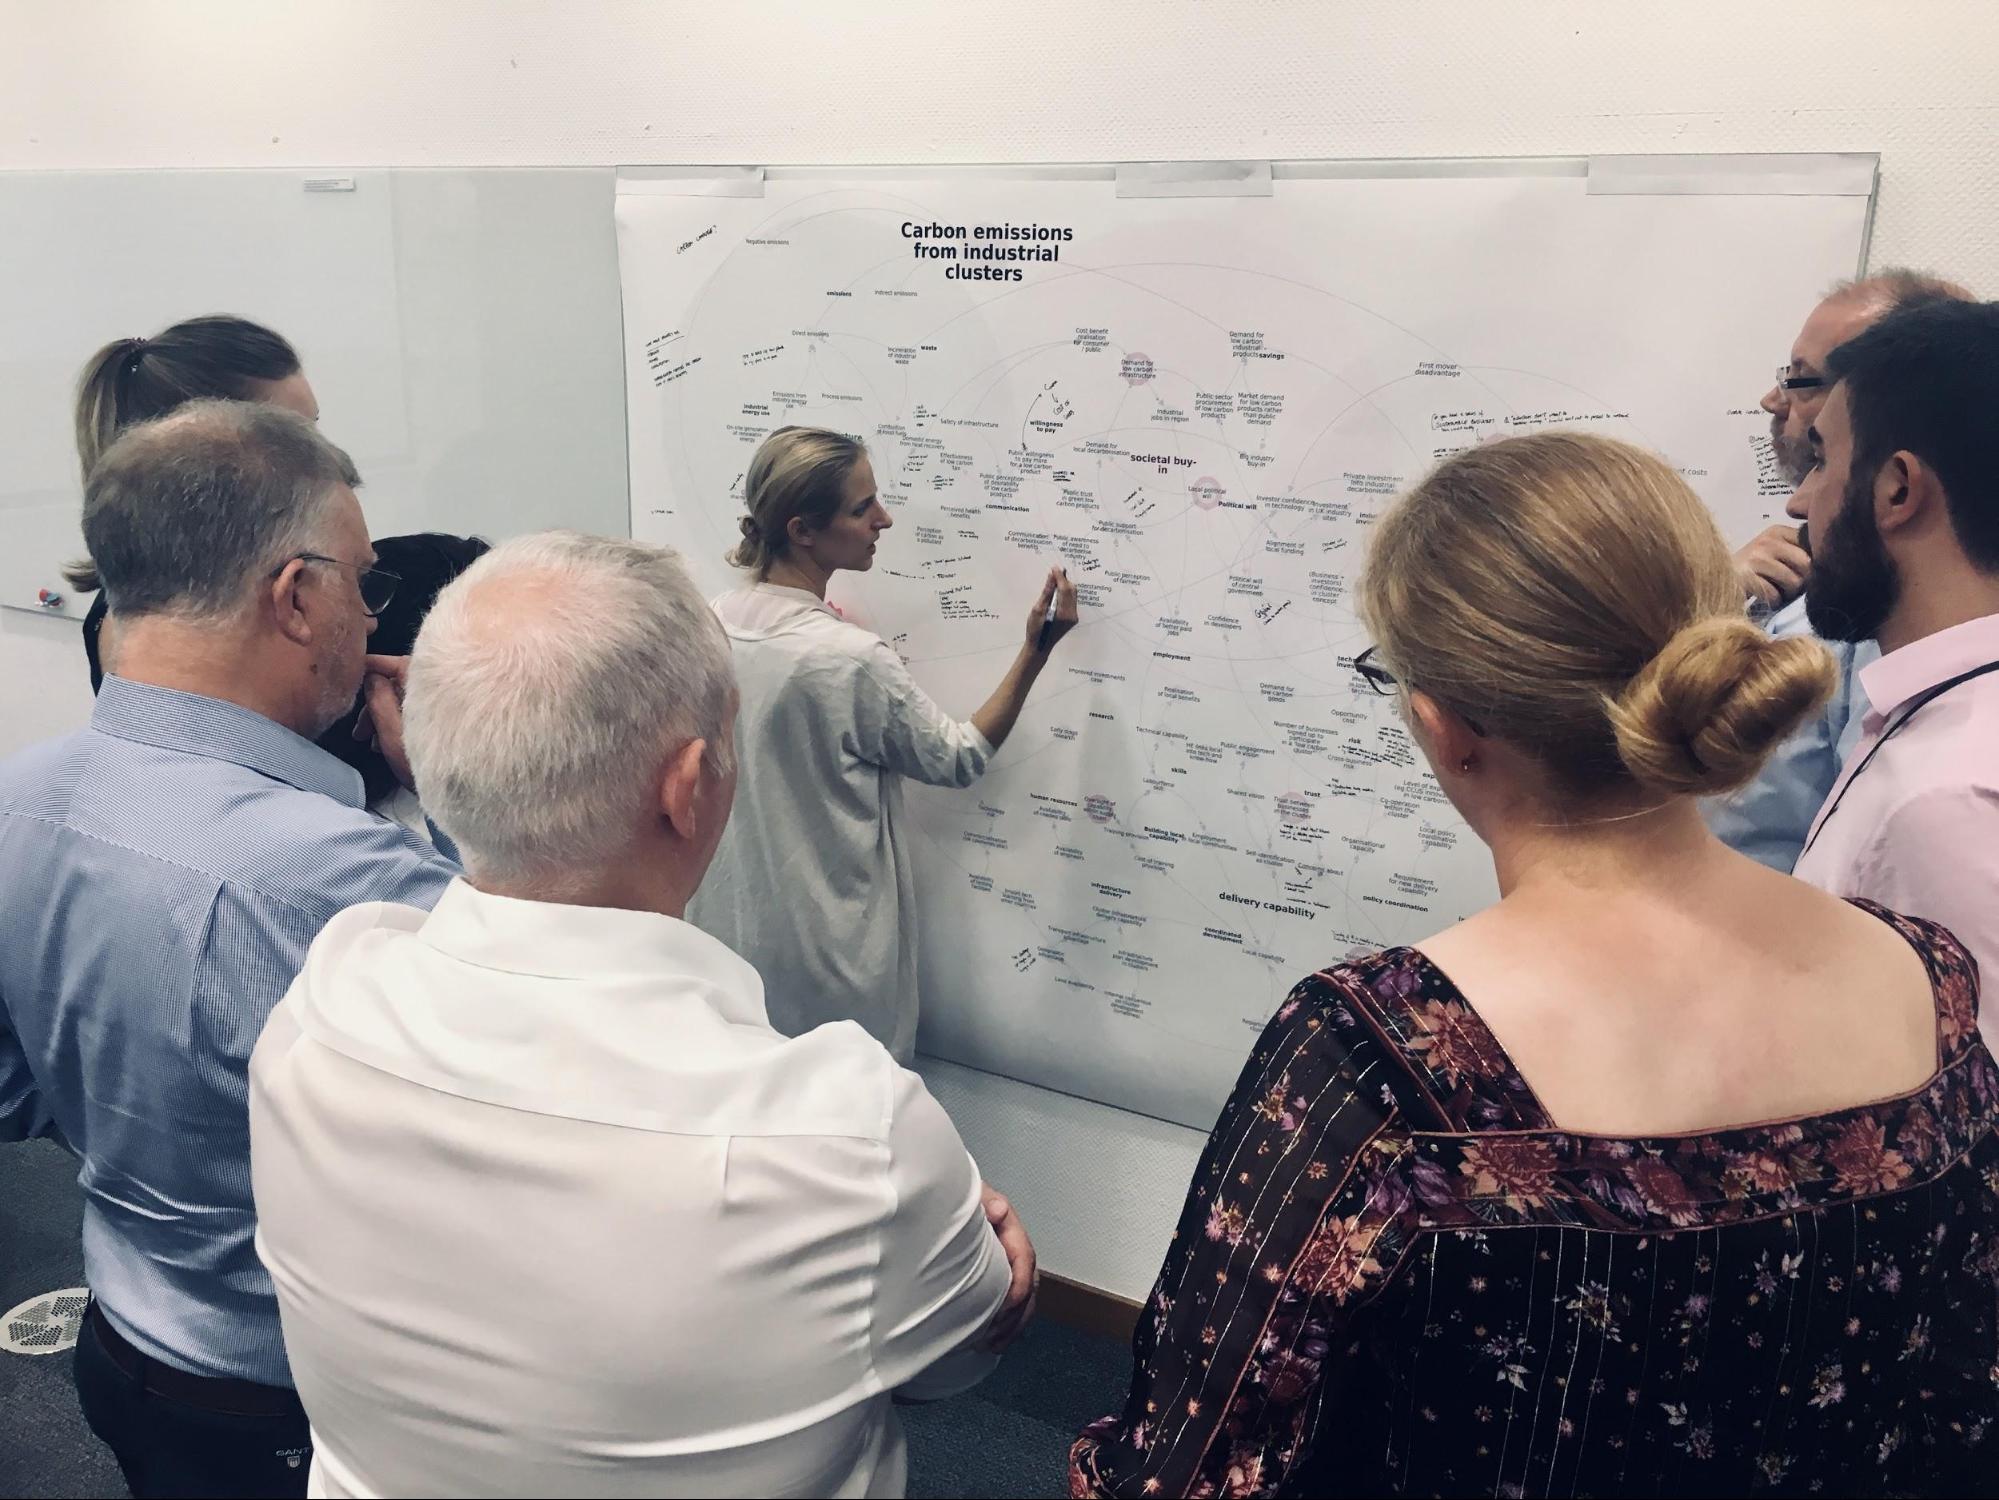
x,y
549,1206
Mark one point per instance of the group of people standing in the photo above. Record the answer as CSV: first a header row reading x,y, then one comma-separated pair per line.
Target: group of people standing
x,y
480,1006
554,1133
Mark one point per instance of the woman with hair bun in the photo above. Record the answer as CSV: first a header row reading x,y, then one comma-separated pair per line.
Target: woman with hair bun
x,y
812,882
1667,1173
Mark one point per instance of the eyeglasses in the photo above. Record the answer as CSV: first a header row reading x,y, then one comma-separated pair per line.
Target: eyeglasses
x,y
1786,381
378,585
1374,674
1385,682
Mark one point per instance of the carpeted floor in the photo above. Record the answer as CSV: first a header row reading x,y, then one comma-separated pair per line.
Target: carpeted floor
x,y
44,1447
1009,1437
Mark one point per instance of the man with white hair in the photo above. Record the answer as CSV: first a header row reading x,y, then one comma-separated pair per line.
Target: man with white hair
x,y
165,870
550,1207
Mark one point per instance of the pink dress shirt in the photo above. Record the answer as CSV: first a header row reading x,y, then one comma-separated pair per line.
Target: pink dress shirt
x,y
1918,828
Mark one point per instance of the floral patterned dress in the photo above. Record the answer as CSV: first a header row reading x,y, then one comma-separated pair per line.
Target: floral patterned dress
x,y
1393,1274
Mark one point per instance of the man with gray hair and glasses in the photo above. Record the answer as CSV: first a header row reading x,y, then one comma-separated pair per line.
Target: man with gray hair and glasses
x,y
550,1207
166,869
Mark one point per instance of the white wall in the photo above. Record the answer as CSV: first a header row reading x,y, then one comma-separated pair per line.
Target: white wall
x,y
213,83
245,83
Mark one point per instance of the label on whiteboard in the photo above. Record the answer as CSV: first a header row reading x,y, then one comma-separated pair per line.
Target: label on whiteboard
x,y
329,184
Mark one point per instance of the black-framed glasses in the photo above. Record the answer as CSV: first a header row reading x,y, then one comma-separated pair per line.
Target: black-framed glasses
x,y
1374,674
1786,381
378,585
1385,682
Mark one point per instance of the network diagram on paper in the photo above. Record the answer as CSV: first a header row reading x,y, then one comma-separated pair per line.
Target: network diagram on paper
x,y
1203,801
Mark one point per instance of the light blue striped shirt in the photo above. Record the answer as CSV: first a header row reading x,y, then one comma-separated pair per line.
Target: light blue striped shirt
x,y
161,876
1769,819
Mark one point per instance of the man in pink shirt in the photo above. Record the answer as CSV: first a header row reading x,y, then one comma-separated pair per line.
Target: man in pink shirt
x,y
1903,506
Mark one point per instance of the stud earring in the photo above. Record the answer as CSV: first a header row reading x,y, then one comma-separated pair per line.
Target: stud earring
x,y
1465,764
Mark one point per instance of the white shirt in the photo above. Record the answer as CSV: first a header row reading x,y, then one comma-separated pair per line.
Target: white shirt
x,y
812,883
1917,829
551,1210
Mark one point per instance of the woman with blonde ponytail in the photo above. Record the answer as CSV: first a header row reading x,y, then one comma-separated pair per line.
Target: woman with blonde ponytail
x,y
1657,1173
134,380
813,883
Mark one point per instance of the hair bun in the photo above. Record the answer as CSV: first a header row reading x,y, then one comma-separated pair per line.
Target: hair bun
x,y
750,552
1704,713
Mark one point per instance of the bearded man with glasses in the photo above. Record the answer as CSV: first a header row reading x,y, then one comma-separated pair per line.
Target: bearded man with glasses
x,y
1769,819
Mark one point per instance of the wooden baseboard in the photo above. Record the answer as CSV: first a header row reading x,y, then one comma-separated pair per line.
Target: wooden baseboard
x,y
1074,1305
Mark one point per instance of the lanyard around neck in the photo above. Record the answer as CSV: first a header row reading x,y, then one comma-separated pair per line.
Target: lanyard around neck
x,y
1888,734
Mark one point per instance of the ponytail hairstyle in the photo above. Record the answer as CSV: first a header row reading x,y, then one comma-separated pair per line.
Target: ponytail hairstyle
x,y
135,380
1572,595
798,473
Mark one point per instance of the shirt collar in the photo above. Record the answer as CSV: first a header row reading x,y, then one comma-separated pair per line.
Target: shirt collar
x,y
804,597
1921,665
761,610
198,725
582,1013
548,939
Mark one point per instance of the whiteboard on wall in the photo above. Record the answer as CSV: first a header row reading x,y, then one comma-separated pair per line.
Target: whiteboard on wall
x,y
460,328
1195,390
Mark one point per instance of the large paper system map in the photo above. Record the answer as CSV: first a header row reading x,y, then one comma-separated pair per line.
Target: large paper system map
x,y
1198,406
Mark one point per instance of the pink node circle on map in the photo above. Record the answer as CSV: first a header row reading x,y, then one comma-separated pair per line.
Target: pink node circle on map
x,y
1136,368
1099,808
1207,492
1294,807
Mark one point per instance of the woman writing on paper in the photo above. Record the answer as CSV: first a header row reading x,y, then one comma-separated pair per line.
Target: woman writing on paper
x,y
812,883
